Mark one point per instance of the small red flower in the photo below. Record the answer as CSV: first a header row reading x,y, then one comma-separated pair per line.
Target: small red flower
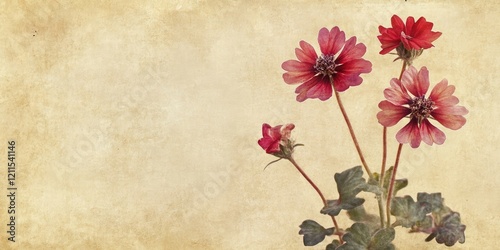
x,y
340,62
273,137
440,106
413,35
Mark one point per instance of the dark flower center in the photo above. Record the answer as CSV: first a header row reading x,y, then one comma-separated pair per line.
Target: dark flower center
x,y
325,65
421,108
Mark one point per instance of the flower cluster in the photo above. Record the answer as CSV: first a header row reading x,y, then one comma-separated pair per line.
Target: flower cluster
x,y
335,70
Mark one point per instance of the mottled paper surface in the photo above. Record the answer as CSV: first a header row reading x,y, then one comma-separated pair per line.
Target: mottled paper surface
x,y
136,122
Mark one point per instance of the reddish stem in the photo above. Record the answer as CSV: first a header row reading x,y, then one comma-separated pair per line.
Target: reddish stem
x,y
351,131
337,230
384,160
384,153
391,185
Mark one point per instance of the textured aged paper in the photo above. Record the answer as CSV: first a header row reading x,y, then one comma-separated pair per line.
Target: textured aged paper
x,y
136,121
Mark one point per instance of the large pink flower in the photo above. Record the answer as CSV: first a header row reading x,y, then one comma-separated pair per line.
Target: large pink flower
x,y
340,61
413,35
273,137
406,98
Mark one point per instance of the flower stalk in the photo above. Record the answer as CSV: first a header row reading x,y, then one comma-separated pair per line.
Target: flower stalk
x,y
353,135
337,229
391,185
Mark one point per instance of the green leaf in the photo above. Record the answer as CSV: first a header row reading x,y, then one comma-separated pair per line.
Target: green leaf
x,y
333,207
408,212
357,237
382,239
433,199
359,214
349,183
333,245
360,237
313,232
449,231
398,183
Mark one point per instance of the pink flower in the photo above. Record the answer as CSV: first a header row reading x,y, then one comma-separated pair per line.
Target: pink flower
x,y
440,106
273,137
413,35
340,62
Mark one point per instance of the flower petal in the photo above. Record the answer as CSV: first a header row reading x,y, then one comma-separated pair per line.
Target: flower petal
x,y
296,66
396,93
304,88
397,23
306,53
321,90
332,41
391,114
410,134
449,118
342,82
356,66
297,77
442,94
351,51
431,134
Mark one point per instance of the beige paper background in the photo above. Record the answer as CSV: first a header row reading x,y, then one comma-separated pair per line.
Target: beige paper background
x,y
136,121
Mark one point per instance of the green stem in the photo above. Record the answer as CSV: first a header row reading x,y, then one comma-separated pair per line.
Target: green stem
x,y
337,229
391,185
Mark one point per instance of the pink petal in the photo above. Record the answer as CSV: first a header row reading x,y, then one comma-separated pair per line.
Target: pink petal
x,y
297,77
342,82
451,110
431,134
410,134
332,41
303,88
322,90
409,80
356,66
266,128
450,121
423,81
351,51
286,130
442,94
391,114
296,66
306,53
396,94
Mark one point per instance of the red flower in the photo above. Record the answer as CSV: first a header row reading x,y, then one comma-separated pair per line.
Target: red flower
x,y
273,137
413,35
340,61
440,105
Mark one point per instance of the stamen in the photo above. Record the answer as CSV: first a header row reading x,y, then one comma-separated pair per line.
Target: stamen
x,y
325,65
421,108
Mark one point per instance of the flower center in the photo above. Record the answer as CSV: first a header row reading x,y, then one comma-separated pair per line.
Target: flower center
x,y
421,108
325,65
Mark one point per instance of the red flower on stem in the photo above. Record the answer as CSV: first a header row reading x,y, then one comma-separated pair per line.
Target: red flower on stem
x,y
412,35
440,106
273,137
340,63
